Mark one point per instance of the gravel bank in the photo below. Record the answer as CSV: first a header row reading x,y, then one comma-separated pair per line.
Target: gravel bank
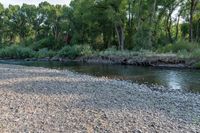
x,y
44,100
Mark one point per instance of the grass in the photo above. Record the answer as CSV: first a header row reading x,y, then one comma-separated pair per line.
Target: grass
x,y
16,52
21,52
179,46
195,54
181,49
125,53
75,51
42,53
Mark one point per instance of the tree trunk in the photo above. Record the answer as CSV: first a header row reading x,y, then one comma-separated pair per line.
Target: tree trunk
x,y
169,22
152,20
193,4
197,30
120,34
177,25
129,14
168,27
138,13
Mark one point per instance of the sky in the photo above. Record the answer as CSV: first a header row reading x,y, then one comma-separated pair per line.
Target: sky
x,y
36,2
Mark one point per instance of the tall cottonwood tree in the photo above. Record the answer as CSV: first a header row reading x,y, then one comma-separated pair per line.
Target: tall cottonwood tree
x,y
193,5
126,24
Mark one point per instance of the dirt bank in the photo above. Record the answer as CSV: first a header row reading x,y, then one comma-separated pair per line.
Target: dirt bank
x,y
155,61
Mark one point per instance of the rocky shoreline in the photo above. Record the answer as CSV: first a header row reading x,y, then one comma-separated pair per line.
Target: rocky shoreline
x,y
171,61
48,100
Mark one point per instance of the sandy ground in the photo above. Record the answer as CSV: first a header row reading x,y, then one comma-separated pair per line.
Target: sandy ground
x,y
44,100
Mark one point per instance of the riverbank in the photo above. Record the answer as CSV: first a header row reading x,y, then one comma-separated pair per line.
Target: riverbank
x,y
48,100
84,53
159,60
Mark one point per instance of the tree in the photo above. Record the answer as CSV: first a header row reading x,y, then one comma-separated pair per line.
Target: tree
x,y
126,24
12,22
1,22
193,4
116,15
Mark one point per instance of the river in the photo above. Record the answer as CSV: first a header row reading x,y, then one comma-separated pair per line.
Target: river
x,y
187,80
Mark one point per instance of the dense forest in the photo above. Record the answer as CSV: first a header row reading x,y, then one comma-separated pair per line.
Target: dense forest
x,y
96,25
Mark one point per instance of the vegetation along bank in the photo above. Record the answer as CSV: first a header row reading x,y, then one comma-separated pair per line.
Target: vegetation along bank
x,y
158,33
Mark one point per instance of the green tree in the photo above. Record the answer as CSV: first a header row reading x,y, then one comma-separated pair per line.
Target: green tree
x,y
1,22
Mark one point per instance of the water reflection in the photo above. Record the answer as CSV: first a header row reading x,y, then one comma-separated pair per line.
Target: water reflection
x,y
175,79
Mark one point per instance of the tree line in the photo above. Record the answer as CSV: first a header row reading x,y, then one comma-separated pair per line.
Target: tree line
x,y
125,24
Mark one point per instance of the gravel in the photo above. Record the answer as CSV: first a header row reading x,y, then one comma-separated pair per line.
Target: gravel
x,y
47,100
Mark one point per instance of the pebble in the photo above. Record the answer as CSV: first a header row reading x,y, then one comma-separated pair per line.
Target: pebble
x,y
48,100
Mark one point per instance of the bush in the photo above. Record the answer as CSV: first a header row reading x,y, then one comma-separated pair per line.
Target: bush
x,y
166,49
16,52
125,53
108,52
47,42
197,65
42,53
86,50
196,53
184,54
183,45
68,51
75,51
179,46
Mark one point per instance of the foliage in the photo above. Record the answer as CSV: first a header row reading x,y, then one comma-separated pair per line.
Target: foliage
x,y
75,51
124,24
192,54
197,65
196,53
179,46
16,52
183,45
126,53
48,43
42,53
184,54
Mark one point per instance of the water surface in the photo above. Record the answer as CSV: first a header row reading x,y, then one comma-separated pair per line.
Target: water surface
x,y
173,79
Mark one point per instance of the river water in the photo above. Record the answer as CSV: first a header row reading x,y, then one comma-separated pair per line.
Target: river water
x,y
174,79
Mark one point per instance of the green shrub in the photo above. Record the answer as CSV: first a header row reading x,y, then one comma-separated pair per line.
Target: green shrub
x,y
47,42
183,45
75,51
196,53
16,52
197,65
68,51
178,46
166,49
42,53
125,53
184,54
108,52
86,50
187,54
28,42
